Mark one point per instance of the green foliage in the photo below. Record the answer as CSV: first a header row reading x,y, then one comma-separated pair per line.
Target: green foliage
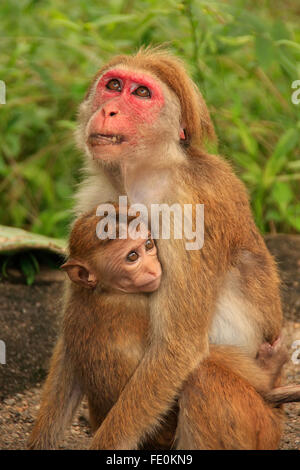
x,y
244,55
28,263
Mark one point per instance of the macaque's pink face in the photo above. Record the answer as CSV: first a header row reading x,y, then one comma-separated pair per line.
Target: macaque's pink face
x,y
132,265
125,106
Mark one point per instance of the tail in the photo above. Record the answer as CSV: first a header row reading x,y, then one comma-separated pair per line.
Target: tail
x,y
286,394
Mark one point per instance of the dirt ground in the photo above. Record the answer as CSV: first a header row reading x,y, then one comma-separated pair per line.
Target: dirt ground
x,y
29,321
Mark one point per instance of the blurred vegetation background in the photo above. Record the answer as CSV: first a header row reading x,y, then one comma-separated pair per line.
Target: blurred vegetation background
x,y
244,56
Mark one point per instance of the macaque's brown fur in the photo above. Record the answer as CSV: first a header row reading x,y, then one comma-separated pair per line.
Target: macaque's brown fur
x,y
225,293
94,357
228,411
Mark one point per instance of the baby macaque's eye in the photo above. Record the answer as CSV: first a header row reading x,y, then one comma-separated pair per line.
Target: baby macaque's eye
x,y
149,244
132,256
114,84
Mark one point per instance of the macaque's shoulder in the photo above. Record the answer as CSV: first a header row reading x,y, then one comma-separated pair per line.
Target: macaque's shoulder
x,y
213,176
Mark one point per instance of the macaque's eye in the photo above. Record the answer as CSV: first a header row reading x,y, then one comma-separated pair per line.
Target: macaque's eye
x,y
114,84
132,256
149,244
142,92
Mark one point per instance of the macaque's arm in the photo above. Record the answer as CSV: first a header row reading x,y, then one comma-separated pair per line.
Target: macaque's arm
x,y
61,396
179,342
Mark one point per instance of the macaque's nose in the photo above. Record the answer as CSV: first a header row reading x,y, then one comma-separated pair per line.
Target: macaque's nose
x,y
110,109
154,270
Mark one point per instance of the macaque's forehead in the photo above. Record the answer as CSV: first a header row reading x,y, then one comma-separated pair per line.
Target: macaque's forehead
x,y
120,247
141,231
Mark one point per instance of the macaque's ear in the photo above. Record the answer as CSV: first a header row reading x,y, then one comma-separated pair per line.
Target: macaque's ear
x,y
80,273
182,134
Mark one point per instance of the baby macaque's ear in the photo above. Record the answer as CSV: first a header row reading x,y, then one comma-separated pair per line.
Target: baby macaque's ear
x,y
80,273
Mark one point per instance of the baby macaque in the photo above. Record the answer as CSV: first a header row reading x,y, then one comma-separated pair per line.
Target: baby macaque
x,y
129,265
105,335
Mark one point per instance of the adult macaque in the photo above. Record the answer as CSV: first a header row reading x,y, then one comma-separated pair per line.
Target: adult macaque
x,y
143,125
105,335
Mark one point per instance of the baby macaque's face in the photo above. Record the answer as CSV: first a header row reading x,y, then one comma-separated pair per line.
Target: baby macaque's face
x,y
128,265
131,265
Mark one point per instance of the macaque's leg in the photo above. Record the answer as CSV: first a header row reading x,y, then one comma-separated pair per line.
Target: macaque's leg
x,y
163,438
219,409
61,396
272,357
95,416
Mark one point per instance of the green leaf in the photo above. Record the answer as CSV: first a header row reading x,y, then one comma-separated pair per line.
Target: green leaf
x,y
247,161
34,262
4,266
235,41
249,142
293,216
279,158
114,19
280,31
292,44
265,51
282,194
274,215
288,66
294,165
27,268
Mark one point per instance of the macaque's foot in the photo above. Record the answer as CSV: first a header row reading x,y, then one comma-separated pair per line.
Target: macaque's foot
x,y
272,356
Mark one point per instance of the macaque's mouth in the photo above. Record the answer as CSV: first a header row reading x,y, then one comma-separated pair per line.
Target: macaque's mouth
x,y
151,285
105,139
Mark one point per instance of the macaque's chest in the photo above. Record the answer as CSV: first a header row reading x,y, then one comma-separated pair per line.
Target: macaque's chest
x,y
233,320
